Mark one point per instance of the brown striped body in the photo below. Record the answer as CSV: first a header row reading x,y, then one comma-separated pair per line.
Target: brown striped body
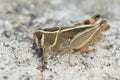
x,y
73,37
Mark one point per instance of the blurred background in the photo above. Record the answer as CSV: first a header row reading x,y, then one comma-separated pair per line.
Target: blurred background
x,y
57,12
16,56
48,13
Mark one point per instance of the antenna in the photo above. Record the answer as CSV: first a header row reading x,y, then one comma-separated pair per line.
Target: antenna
x,y
22,26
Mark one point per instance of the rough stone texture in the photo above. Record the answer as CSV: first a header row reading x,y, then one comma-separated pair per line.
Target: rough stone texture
x,y
17,59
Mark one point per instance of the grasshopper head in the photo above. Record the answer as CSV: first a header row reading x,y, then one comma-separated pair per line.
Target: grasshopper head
x,y
38,35
37,38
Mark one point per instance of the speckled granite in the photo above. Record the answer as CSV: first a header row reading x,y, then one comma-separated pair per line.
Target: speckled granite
x,y
17,59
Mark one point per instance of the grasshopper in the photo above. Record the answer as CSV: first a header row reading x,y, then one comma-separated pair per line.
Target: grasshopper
x,y
73,38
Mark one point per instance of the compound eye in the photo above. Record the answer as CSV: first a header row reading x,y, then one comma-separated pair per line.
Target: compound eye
x,y
38,35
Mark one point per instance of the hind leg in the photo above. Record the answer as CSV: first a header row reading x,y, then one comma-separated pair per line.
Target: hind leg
x,y
84,50
91,20
69,62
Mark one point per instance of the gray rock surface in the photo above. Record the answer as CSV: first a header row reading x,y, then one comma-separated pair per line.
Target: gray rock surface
x,y
17,59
